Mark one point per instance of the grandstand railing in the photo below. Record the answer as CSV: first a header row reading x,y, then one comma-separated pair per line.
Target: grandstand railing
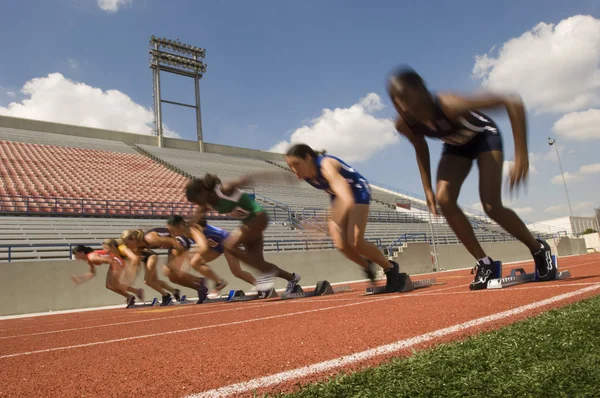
x,y
53,250
279,212
58,251
418,237
58,206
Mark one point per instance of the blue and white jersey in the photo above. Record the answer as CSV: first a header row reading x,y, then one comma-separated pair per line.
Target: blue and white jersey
x,y
358,184
215,237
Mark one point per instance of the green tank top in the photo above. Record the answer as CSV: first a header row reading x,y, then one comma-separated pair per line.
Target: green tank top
x,y
238,204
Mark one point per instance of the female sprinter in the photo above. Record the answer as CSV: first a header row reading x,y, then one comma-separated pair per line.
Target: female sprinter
x,y
160,238
116,266
141,255
187,236
227,198
468,135
350,198
209,242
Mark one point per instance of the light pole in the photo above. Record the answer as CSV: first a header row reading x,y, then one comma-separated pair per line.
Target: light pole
x,y
170,61
552,142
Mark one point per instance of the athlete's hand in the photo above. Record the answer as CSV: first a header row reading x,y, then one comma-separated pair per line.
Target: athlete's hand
x,y
431,203
520,170
76,279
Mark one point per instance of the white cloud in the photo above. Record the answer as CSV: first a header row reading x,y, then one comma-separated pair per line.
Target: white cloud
x,y
507,203
73,63
509,164
11,94
580,175
523,210
581,207
549,156
56,99
569,177
579,126
112,5
554,67
352,133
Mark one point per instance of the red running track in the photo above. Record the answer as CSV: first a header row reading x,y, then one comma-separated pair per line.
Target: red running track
x,y
228,349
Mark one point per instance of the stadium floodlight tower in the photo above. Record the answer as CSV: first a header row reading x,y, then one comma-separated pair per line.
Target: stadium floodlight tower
x,y
165,56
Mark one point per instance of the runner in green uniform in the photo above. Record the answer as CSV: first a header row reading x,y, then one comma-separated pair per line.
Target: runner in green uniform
x,y
227,198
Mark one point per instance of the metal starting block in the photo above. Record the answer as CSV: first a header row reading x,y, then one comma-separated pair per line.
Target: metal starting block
x,y
322,288
519,276
224,297
241,296
407,286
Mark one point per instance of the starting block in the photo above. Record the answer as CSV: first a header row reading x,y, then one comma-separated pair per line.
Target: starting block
x,y
240,296
224,297
322,288
407,286
519,276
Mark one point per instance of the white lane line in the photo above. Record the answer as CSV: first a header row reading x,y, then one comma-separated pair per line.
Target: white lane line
x,y
298,373
240,308
265,318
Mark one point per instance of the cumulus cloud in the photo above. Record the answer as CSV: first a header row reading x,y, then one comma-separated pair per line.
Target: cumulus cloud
x,y
523,210
508,165
582,207
580,175
352,133
554,67
112,5
55,98
519,210
580,126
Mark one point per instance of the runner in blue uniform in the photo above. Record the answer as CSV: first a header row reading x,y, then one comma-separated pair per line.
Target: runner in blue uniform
x,y
209,246
468,135
350,197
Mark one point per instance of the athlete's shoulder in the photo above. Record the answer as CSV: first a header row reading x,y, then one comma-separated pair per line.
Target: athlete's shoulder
x,y
328,162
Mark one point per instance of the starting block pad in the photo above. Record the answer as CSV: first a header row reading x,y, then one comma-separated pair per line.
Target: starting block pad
x,y
322,288
519,276
240,296
145,304
224,297
408,285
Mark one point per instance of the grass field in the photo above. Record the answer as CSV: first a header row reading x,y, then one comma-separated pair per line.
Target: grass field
x,y
555,354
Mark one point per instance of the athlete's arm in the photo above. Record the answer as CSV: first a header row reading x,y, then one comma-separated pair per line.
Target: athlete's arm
x,y
423,161
253,179
92,270
330,168
162,241
130,255
200,239
457,105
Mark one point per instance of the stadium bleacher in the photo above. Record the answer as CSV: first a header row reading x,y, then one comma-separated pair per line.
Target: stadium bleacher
x,y
58,175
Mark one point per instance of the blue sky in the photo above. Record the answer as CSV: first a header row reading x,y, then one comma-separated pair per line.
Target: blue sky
x,y
274,66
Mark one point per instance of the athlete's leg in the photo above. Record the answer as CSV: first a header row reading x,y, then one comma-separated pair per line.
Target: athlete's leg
x,y
112,283
237,271
175,275
490,192
357,224
250,235
151,277
452,172
339,236
199,263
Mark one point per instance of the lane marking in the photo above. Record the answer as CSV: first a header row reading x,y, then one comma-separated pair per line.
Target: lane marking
x,y
102,342
319,367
